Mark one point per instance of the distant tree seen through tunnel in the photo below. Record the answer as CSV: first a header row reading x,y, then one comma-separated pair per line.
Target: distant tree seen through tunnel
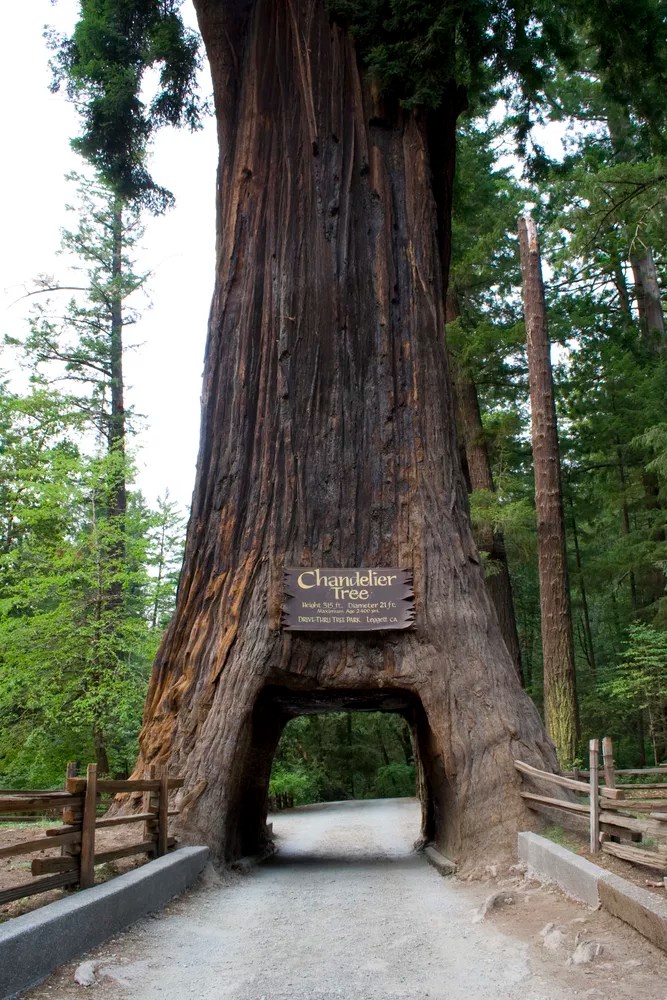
x,y
343,755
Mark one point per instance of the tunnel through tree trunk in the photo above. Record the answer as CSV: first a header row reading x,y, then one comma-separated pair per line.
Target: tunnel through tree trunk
x,y
328,439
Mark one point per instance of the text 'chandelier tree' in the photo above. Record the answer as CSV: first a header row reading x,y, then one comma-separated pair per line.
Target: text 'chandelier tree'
x,y
328,443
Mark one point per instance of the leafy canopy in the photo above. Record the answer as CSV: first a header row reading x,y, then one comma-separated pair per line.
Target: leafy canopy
x,y
421,49
103,67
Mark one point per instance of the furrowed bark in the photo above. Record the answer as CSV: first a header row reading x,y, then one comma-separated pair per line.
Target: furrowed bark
x,y
560,702
328,439
649,305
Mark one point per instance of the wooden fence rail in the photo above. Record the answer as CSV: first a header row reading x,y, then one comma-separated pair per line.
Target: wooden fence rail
x,y
617,811
78,807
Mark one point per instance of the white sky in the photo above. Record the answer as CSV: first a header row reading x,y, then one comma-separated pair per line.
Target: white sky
x,y
164,373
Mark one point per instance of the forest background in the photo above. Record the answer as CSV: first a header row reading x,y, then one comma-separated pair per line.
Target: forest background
x,y
88,568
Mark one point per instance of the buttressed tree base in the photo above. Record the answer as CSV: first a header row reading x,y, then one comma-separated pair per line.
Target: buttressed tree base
x,y
328,440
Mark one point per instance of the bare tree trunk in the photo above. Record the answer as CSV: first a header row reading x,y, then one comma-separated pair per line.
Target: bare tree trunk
x,y
641,738
652,333
114,540
625,518
618,278
589,648
381,743
117,428
649,305
328,438
560,700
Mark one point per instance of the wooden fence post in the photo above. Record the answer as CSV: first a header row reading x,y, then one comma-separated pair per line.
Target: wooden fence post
x,y
608,762
594,755
151,805
87,860
71,850
72,770
163,814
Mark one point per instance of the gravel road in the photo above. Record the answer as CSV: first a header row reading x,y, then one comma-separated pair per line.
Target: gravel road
x,y
347,910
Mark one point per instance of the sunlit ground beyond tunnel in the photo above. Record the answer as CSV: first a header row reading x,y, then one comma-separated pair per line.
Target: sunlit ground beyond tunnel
x,y
343,789
342,755
362,833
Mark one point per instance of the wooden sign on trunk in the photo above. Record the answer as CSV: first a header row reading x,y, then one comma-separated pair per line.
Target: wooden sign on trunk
x,y
348,600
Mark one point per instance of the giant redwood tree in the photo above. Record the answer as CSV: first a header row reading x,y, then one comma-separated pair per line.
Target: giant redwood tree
x,y
328,439
328,433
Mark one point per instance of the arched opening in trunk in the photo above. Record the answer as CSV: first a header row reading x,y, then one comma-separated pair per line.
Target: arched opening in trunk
x,y
277,706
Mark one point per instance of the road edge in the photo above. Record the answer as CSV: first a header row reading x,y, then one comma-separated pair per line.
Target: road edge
x,y
36,943
441,863
582,880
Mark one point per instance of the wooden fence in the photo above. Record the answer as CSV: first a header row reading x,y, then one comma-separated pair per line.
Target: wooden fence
x,y
618,810
281,800
78,806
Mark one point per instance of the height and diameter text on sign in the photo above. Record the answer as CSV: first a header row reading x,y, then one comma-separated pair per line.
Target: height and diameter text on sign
x,y
346,600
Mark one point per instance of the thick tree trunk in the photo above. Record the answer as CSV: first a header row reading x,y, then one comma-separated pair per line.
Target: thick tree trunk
x,y
328,439
477,464
560,701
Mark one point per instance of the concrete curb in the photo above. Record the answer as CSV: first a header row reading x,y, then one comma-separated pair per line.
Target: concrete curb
x,y
36,943
583,880
577,877
442,864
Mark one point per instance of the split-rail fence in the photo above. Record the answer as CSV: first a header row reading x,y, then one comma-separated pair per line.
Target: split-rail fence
x,y
623,811
80,806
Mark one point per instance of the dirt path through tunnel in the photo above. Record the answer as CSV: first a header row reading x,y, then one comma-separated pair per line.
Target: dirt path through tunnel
x,y
348,910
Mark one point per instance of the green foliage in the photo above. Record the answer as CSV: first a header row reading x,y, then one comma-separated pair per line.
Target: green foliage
x,y
639,682
421,51
605,210
513,517
395,780
324,758
87,571
166,539
297,783
72,665
602,206
653,442
76,344
103,66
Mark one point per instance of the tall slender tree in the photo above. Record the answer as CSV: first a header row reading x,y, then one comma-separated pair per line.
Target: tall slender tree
x,y
83,345
103,67
560,699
